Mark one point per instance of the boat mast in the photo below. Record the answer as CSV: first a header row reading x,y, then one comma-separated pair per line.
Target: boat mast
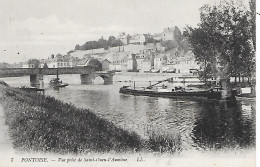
x,y
57,74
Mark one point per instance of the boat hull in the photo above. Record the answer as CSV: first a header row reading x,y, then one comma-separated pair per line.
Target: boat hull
x,y
181,94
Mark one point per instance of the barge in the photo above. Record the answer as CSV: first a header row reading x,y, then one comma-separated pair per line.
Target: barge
x,y
178,92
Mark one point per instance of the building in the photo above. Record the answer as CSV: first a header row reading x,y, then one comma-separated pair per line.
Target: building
x,y
159,61
124,38
146,65
59,61
105,65
119,62
158,36
184,64
90,61
138,39
25,65
131,62
171,33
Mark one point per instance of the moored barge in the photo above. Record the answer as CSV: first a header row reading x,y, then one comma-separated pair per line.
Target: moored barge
x,y
178,92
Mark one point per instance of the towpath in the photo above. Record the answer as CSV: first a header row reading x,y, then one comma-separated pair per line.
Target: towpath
x,y
6,146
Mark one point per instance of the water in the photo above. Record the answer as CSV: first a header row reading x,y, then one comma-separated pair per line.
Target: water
x,y
202,125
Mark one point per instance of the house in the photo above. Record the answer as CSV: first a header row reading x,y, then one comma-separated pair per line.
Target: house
x,y
24,65
31,63
159,61
119,62
146,65
105,65
138,39
59,61
171,33
73,61
158,36
90,61
139,60
184,64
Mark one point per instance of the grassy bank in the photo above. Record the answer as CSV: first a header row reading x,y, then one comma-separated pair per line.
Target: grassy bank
x,y
42,123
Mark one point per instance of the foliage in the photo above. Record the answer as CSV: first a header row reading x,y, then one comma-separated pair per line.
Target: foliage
x,y
35,62
69,52
101,43
42,123
222,43
164,143
252,4
5,65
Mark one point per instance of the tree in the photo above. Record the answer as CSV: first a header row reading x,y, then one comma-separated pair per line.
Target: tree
x,y
201,43
111,40
102,43
223,41
35,62
77,47
69,52
252,5
4,65
117,42
237,48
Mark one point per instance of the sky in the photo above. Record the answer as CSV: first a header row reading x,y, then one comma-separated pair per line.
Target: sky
x,y
39,28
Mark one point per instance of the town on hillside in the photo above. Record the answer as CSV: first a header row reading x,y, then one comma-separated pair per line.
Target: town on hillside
x,y
167,51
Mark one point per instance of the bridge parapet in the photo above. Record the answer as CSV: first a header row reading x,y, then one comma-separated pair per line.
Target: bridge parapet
x,y
87,74
16,72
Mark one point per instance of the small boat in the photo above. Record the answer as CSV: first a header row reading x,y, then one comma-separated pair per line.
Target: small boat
x,y
170,71
163,91
31,89
155,71
56,82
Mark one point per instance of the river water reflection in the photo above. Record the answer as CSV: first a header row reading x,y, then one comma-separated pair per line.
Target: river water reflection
x,y
202,125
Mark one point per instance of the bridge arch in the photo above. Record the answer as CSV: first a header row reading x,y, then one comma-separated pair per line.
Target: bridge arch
x,y
89,78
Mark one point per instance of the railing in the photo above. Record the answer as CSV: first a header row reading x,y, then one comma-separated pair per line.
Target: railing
x,y
17,72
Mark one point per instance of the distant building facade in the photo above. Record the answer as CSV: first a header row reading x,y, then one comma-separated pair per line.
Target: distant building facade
x,y
119,62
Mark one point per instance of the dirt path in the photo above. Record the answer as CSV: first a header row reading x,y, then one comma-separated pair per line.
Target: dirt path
x,y
6,147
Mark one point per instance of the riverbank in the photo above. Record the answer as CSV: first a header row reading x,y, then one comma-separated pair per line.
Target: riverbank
x,y
42,123
5,139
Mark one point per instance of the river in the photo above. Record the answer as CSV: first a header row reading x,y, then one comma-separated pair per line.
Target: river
x,y
201,125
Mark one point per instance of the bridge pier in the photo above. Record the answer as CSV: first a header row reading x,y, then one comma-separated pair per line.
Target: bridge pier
x,y
86,78
108,80
35,79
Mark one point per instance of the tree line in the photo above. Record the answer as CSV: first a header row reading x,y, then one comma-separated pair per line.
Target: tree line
x,y
101,43
224,41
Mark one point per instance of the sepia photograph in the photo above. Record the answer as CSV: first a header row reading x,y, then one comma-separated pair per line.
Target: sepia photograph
x,y
128,83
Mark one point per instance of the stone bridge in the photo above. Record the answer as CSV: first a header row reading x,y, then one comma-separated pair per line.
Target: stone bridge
x,y
87,74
